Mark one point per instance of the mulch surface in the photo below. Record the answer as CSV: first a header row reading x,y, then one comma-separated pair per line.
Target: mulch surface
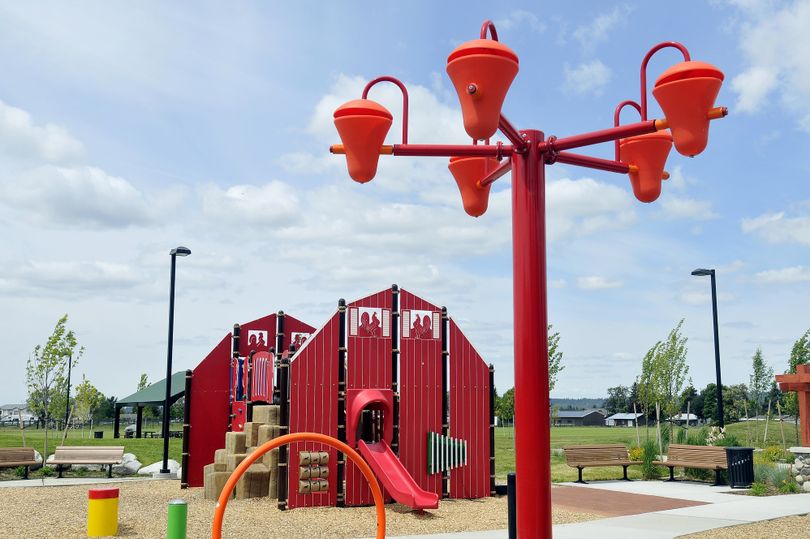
x,y
611,503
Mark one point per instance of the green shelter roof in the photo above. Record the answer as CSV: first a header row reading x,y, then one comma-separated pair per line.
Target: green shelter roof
x,y
156,393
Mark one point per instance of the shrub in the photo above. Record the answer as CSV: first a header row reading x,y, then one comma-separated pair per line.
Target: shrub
x,y
19,471
648,469
636,453
774,453
758,489
776,478
47,471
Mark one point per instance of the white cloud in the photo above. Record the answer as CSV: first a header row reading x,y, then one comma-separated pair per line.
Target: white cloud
x,y
520,17
587,78
76,197
778,228
795,274
585,206
753,87
775,42
599,29
700,298
673,207
71,278
272,203
22,139
595,282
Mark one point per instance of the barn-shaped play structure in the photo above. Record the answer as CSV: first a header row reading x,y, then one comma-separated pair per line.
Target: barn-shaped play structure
x,y
392,375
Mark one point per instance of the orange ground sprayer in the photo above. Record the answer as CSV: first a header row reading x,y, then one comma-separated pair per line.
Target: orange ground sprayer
x,y
102,512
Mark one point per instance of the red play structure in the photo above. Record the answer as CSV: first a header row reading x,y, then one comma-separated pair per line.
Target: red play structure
x,y
390,374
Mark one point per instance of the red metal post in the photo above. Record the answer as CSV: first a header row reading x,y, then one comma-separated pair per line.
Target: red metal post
x,y
532,434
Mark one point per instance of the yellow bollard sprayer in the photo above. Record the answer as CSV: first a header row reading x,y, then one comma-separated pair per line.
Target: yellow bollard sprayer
x,y
102,512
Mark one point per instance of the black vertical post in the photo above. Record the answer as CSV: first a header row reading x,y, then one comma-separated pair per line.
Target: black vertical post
x,y
139,421
511,505
186,428
284,427
720,418
341,404
280,319
117,423
395,364
249,389
445,393
166,403
237,331
491,429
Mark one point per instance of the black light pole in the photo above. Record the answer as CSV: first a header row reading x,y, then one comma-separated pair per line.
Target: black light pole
x,y
702,273
177,251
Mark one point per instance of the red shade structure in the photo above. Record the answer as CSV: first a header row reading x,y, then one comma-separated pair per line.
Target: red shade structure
x,y
362,125
800,383
482,71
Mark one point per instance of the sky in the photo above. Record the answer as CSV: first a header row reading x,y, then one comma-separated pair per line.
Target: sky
x,y
127,129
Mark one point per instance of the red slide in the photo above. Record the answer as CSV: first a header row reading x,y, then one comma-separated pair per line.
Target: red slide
x,y
395,478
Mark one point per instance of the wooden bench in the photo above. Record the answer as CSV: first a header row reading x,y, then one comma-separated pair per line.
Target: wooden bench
x,y
74,454
11,457
584,456
705,457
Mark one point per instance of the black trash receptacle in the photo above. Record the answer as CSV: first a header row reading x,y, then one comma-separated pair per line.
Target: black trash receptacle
x,y
740,466
98,434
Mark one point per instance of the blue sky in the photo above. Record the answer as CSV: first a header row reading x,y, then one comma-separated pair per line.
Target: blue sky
x,y
128,129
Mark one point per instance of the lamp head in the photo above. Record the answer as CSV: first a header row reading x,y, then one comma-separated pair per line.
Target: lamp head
x,y
702,272
180,251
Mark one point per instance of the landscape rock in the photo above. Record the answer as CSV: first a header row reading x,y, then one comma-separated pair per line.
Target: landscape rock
x,y
127,467
806,486
173,466
38,458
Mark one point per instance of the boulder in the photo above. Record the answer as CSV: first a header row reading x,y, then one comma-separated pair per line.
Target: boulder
x,y
173,466
49,462
128,466
38,458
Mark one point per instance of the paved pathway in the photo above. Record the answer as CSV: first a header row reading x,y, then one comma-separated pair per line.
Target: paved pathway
x,y
713,507
68,481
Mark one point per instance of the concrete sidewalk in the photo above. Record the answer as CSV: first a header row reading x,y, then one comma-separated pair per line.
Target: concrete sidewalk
x,y
722,509
69,481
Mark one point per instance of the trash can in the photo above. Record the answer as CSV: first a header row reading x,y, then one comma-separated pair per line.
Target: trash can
x,y
98,434
740,466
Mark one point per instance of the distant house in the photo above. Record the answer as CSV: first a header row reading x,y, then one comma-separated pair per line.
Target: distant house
x,y
682,419
12,412
579,418
625,420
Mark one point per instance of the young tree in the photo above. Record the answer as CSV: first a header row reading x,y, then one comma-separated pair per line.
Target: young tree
x,y
88,399
143,382
760,381
505,408
664,373
555,357
45,374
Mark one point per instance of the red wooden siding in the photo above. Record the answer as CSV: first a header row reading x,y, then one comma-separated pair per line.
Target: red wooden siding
x,y
469,416
313,408
265,335
293,326
368,365
420,367
209,409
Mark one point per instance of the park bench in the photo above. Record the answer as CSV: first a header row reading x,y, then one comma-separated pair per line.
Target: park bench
x,y
705,457
11,457
585,456
105,455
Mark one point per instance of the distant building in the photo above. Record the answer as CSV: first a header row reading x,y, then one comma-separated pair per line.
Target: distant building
x,y
579,418
625,420
682,419
12,412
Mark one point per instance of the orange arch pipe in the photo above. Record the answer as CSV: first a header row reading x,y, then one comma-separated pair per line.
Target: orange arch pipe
x,y
219,514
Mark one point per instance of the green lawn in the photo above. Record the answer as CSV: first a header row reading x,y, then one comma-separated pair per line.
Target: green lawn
x,y
562,436
146,450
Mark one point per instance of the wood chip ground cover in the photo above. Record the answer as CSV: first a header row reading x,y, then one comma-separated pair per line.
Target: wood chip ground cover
x,y
61,512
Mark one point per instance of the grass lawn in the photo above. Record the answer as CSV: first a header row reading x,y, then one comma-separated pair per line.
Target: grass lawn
x,y
146,450
562,436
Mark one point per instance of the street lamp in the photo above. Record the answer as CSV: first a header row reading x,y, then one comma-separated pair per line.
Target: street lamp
x,y
482,71
174,253
701,272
